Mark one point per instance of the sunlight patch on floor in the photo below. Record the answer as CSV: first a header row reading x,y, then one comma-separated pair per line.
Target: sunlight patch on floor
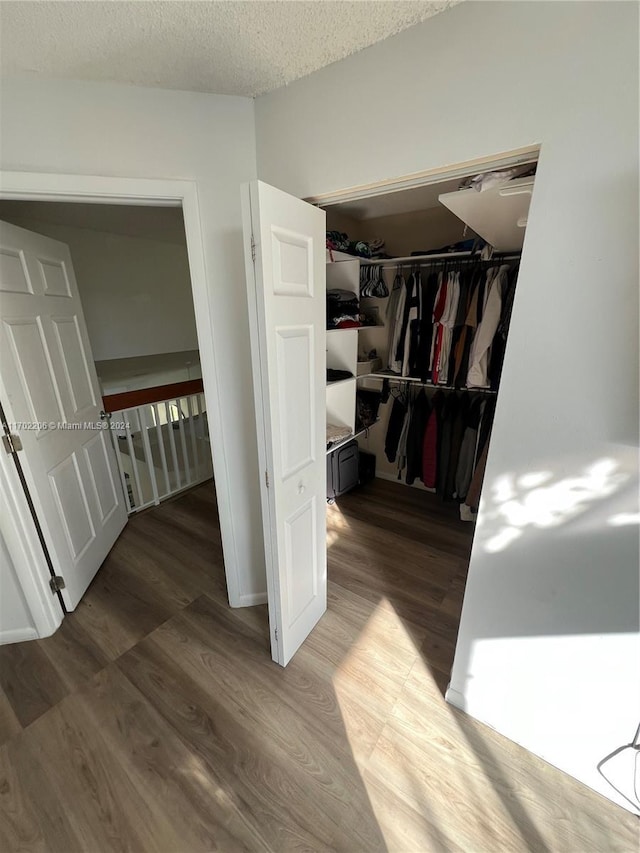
x,y
423,780
370,675
337,524
435,794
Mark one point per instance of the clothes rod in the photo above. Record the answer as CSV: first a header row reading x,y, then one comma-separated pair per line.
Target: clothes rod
x,y
390,377
425,260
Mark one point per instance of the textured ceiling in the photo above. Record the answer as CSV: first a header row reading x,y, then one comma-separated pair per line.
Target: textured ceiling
x,y
230,48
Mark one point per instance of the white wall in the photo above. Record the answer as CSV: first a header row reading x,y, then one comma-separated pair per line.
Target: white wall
x,y
16,622
104,129
548,646
135,292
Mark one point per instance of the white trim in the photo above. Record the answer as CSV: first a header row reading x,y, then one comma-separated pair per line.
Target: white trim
x,y
393,478
36,186
23,545
455,698
249,599
17,635
517,157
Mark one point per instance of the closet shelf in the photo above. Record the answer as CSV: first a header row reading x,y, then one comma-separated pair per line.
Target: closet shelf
x,y
350,438
498,214
341,381
395,377
359,328
424,260
391,262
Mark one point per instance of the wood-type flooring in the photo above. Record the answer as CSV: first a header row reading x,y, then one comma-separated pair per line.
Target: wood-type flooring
x,y
155,720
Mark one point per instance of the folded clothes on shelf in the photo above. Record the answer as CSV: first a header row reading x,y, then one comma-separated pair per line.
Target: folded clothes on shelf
x,y
338,375
335,433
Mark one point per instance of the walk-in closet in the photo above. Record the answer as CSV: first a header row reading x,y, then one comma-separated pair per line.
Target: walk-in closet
x,y
421,285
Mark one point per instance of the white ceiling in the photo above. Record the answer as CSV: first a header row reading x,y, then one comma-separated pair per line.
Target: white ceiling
x,y
227,48
152,223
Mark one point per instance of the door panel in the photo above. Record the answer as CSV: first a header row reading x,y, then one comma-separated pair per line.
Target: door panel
x,y
55,278
97,452
286,289
76,370
48,378
294,353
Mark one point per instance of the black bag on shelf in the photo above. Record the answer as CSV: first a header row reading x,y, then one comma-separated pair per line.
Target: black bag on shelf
x,y
367,405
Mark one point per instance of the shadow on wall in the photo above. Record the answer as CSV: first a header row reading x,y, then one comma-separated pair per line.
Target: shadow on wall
x,y
574,621
598,503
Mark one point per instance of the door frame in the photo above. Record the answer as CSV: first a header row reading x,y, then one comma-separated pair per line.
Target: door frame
x,y
19,531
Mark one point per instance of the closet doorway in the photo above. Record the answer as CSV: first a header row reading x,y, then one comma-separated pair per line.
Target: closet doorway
x,y
420,287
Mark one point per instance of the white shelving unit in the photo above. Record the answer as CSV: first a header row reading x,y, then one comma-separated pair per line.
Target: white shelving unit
x,y
342,345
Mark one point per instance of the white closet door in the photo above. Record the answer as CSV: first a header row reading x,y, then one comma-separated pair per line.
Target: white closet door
x,y
47,378
285,261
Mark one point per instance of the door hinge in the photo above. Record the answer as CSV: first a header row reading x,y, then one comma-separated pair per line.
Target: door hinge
x,y
266,478
12,443
57,583
253,248
275,633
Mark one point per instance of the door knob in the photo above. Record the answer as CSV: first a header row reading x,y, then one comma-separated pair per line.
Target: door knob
x,y
301,488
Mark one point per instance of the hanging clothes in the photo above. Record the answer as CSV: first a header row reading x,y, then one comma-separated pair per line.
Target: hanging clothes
x,y
457,433
460,331
395,310
473,495
402,444
486,423
429,293
394,428
448,415
410,324
478,376
498,346
430,442
447,322
419,416
449,328
412,334
466,459
438,311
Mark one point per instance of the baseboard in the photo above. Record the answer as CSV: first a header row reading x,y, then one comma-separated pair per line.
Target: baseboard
x,y
17,635
455,698
251,599
393,478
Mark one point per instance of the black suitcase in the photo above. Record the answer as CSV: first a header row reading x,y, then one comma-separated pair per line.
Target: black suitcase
x,y
342,470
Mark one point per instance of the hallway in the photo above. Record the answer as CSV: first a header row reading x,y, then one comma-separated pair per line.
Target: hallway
x,y
154,718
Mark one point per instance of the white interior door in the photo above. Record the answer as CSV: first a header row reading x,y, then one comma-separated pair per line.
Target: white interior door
x,y
286,289
48,379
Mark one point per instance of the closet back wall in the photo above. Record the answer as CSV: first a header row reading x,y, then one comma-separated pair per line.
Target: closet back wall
x,y
135,292
403,233
548,642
